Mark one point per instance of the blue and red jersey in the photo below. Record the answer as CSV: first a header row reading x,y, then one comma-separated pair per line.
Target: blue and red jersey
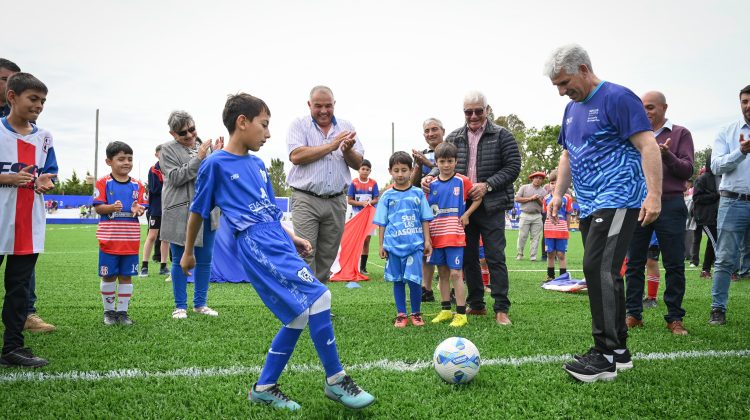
x,y
448,203
559,230
119,233
362,191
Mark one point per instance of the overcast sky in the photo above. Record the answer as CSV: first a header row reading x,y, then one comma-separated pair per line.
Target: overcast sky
x,y
386,61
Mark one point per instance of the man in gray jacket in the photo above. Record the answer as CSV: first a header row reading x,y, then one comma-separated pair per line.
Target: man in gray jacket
x,y
488,155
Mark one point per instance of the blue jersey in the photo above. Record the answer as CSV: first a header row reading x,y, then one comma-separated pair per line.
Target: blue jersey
x,y
240,186
605,165
362,191
402,214
119,233
448,203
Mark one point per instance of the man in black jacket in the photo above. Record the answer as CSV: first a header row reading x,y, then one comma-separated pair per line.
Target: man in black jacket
x,y
706,208
488,155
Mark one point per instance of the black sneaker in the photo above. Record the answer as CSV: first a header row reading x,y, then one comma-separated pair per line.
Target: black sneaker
x,y
22,357
622,361
144,272
363,271
122,318
718,317
591,367
164,271
110,318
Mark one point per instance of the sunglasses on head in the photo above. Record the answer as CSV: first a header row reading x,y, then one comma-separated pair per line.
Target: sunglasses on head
x,y
477,111
184,132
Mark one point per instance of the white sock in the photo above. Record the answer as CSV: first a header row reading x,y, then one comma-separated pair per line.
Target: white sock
x,y
610,358
336,377
124,292
107,289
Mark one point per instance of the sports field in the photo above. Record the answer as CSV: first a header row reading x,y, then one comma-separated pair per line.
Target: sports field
x,y
202,367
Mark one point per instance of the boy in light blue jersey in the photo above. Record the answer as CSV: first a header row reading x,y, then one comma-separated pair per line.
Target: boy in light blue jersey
x,y
404,214
238,183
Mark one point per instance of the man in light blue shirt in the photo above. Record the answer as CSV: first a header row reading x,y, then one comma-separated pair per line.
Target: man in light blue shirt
x,y
729,159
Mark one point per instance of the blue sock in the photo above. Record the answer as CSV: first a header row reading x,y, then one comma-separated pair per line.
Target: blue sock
x,y
399,293
281,350
321,332
415,296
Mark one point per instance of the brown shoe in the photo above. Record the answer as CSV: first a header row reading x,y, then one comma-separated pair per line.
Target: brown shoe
x,y
502,318
36,324
677,328
633,322
472,311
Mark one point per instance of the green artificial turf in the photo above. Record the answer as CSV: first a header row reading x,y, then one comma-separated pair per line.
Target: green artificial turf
x,y
202,367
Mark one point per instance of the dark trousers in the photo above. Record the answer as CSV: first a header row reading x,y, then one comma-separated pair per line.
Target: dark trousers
x,y
491,226
32,294
710,256
606,234
670,231
18,270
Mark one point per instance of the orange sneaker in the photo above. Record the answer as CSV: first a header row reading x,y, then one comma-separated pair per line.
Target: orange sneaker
x,y
416,319
401,321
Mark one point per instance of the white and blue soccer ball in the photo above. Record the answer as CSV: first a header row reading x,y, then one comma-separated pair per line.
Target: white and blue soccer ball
x,y
456,360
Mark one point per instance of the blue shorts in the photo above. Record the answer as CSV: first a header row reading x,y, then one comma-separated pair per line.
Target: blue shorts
x,y
452,256
404,268
284,282
117,265
481,252
552,245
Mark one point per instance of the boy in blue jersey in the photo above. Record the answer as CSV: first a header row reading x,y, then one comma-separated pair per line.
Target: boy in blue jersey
x,y
448,194
363,191
611,155
238,183
404,215
119,200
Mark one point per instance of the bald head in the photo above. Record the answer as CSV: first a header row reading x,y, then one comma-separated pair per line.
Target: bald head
x,y
655,104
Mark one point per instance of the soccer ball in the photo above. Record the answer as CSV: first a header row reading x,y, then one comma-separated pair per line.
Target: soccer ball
x,y
456,360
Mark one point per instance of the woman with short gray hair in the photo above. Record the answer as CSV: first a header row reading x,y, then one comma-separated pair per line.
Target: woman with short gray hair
x,y
179,161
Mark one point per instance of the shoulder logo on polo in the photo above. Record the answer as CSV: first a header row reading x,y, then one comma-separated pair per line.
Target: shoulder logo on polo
x,y
599,220
305,275
234,177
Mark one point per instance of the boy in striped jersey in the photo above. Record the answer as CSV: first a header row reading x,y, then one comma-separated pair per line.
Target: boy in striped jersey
x,y
556,235
119,200
448,194
27,166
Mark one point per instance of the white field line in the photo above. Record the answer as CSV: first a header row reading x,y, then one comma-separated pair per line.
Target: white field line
x,y
385,364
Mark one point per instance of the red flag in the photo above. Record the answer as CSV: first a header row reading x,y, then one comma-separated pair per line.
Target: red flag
x,y
355,232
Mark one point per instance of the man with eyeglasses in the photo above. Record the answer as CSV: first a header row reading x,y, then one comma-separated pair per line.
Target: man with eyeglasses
x,y
321,148
488,155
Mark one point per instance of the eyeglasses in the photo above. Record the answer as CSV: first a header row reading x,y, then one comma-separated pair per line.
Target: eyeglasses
x,y
184,132
476,111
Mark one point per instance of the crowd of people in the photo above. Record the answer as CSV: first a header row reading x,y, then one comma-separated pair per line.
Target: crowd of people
x,y
627,163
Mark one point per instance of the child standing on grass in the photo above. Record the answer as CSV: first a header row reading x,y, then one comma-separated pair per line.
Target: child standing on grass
x,y
448,194
119,200
27,167
403,215
363,191
238,183
556,235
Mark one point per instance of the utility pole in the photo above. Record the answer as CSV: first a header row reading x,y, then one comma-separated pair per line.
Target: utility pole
x,y
393,138
96,147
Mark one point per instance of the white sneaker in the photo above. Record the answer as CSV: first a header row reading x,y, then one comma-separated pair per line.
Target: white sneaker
x,y
179,314
205,310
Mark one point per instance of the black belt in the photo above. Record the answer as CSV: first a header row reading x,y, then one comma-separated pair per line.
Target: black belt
x,y
323,196
729,194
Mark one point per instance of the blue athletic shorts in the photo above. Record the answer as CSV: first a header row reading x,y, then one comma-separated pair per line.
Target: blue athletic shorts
x,y
117,265
284,282
481,252
452,256
552,245
404,268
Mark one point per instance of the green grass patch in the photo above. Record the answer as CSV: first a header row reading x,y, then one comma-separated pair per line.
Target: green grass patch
x,y
544,323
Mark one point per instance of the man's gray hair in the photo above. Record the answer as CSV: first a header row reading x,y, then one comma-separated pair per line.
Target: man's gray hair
x,y
569,58
433,120
323,88
178,119
474,97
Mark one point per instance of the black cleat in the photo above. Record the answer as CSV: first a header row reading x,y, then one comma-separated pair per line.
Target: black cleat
x,y
22,357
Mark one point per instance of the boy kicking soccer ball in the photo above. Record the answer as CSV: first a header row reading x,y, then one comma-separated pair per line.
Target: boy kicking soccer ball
x,y
404,215
238,183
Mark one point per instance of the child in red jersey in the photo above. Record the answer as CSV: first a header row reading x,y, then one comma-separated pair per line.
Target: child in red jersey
x,y
119,200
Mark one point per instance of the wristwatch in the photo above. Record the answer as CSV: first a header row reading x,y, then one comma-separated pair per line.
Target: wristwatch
x,y
489,187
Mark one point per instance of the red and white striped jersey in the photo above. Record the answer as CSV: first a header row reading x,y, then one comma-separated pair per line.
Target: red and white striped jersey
x,y
119,233
448,203
22,213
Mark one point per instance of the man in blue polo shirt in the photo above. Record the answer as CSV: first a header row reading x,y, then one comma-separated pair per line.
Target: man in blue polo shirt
x,y
608,148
